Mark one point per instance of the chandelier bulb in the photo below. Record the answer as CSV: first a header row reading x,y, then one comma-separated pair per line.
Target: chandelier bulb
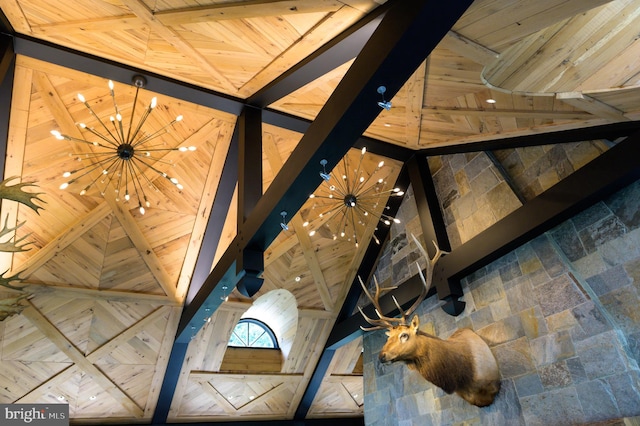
x,y
81,98
66,174
141,209
396,220
64,185
154,102
84,191
312,233
111,85
126,196
179,118
119,117
57,134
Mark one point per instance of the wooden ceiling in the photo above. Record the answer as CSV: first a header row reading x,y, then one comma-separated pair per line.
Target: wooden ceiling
x,y
108,284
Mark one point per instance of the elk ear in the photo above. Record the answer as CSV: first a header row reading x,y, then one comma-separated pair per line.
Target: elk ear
x,y
415,323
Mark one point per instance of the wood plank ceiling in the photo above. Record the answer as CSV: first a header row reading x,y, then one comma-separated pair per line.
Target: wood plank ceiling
x,y
108,284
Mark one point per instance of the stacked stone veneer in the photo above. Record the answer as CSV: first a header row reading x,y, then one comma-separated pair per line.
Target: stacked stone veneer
x,y
560,313
474,194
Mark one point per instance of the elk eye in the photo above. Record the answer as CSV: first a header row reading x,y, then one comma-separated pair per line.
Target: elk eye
x,y
404,337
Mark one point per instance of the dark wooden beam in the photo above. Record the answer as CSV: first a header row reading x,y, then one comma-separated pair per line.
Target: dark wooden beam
x,y
328,57
605,131
389,58
251,260
429,212
7,69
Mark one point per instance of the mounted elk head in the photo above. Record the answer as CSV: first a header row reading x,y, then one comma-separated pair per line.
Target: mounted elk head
x,y
463,363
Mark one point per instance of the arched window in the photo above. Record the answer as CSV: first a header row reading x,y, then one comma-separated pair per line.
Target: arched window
x,y
252,333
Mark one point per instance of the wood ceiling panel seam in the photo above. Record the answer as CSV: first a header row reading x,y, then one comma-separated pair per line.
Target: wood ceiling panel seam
x,y
126,334
15,149
310,41
62,376
67,347
243,10
174,39
141,244
71,234
223,142
163,360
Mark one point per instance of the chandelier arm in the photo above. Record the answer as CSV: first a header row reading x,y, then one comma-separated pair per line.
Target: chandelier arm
x,y
113,97
364,183
343,222
86,104
89,168
140,173
118,137
135,180
155,160
101,136
353,225
100,163
162,174
133,112
119,120
155,134
357,179
341,188
345,163
74,139
378,194
114,166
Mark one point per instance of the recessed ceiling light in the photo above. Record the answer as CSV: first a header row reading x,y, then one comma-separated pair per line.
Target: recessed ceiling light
x,y
387,125
251,397
491,101
298,278
92,397
61,398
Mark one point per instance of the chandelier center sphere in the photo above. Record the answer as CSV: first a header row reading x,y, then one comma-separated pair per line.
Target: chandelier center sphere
x,y
125,151
350,200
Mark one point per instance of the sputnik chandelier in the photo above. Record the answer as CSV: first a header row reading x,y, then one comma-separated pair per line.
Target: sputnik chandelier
x,y
352,199
127,151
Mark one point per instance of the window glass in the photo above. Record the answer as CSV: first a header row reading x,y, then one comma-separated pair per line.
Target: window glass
x,y
251,333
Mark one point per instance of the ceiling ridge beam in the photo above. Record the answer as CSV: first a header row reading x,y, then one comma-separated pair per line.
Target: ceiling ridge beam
x,y
610,132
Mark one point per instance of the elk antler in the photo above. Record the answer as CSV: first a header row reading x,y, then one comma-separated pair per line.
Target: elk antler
x,y
383,321
388,322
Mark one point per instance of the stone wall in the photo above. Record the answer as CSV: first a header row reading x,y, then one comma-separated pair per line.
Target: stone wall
x,y
560,314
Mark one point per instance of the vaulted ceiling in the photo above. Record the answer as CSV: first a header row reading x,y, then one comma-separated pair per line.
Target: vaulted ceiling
x,y
126,319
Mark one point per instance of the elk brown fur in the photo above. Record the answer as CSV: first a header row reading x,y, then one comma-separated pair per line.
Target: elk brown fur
x,y
463,363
